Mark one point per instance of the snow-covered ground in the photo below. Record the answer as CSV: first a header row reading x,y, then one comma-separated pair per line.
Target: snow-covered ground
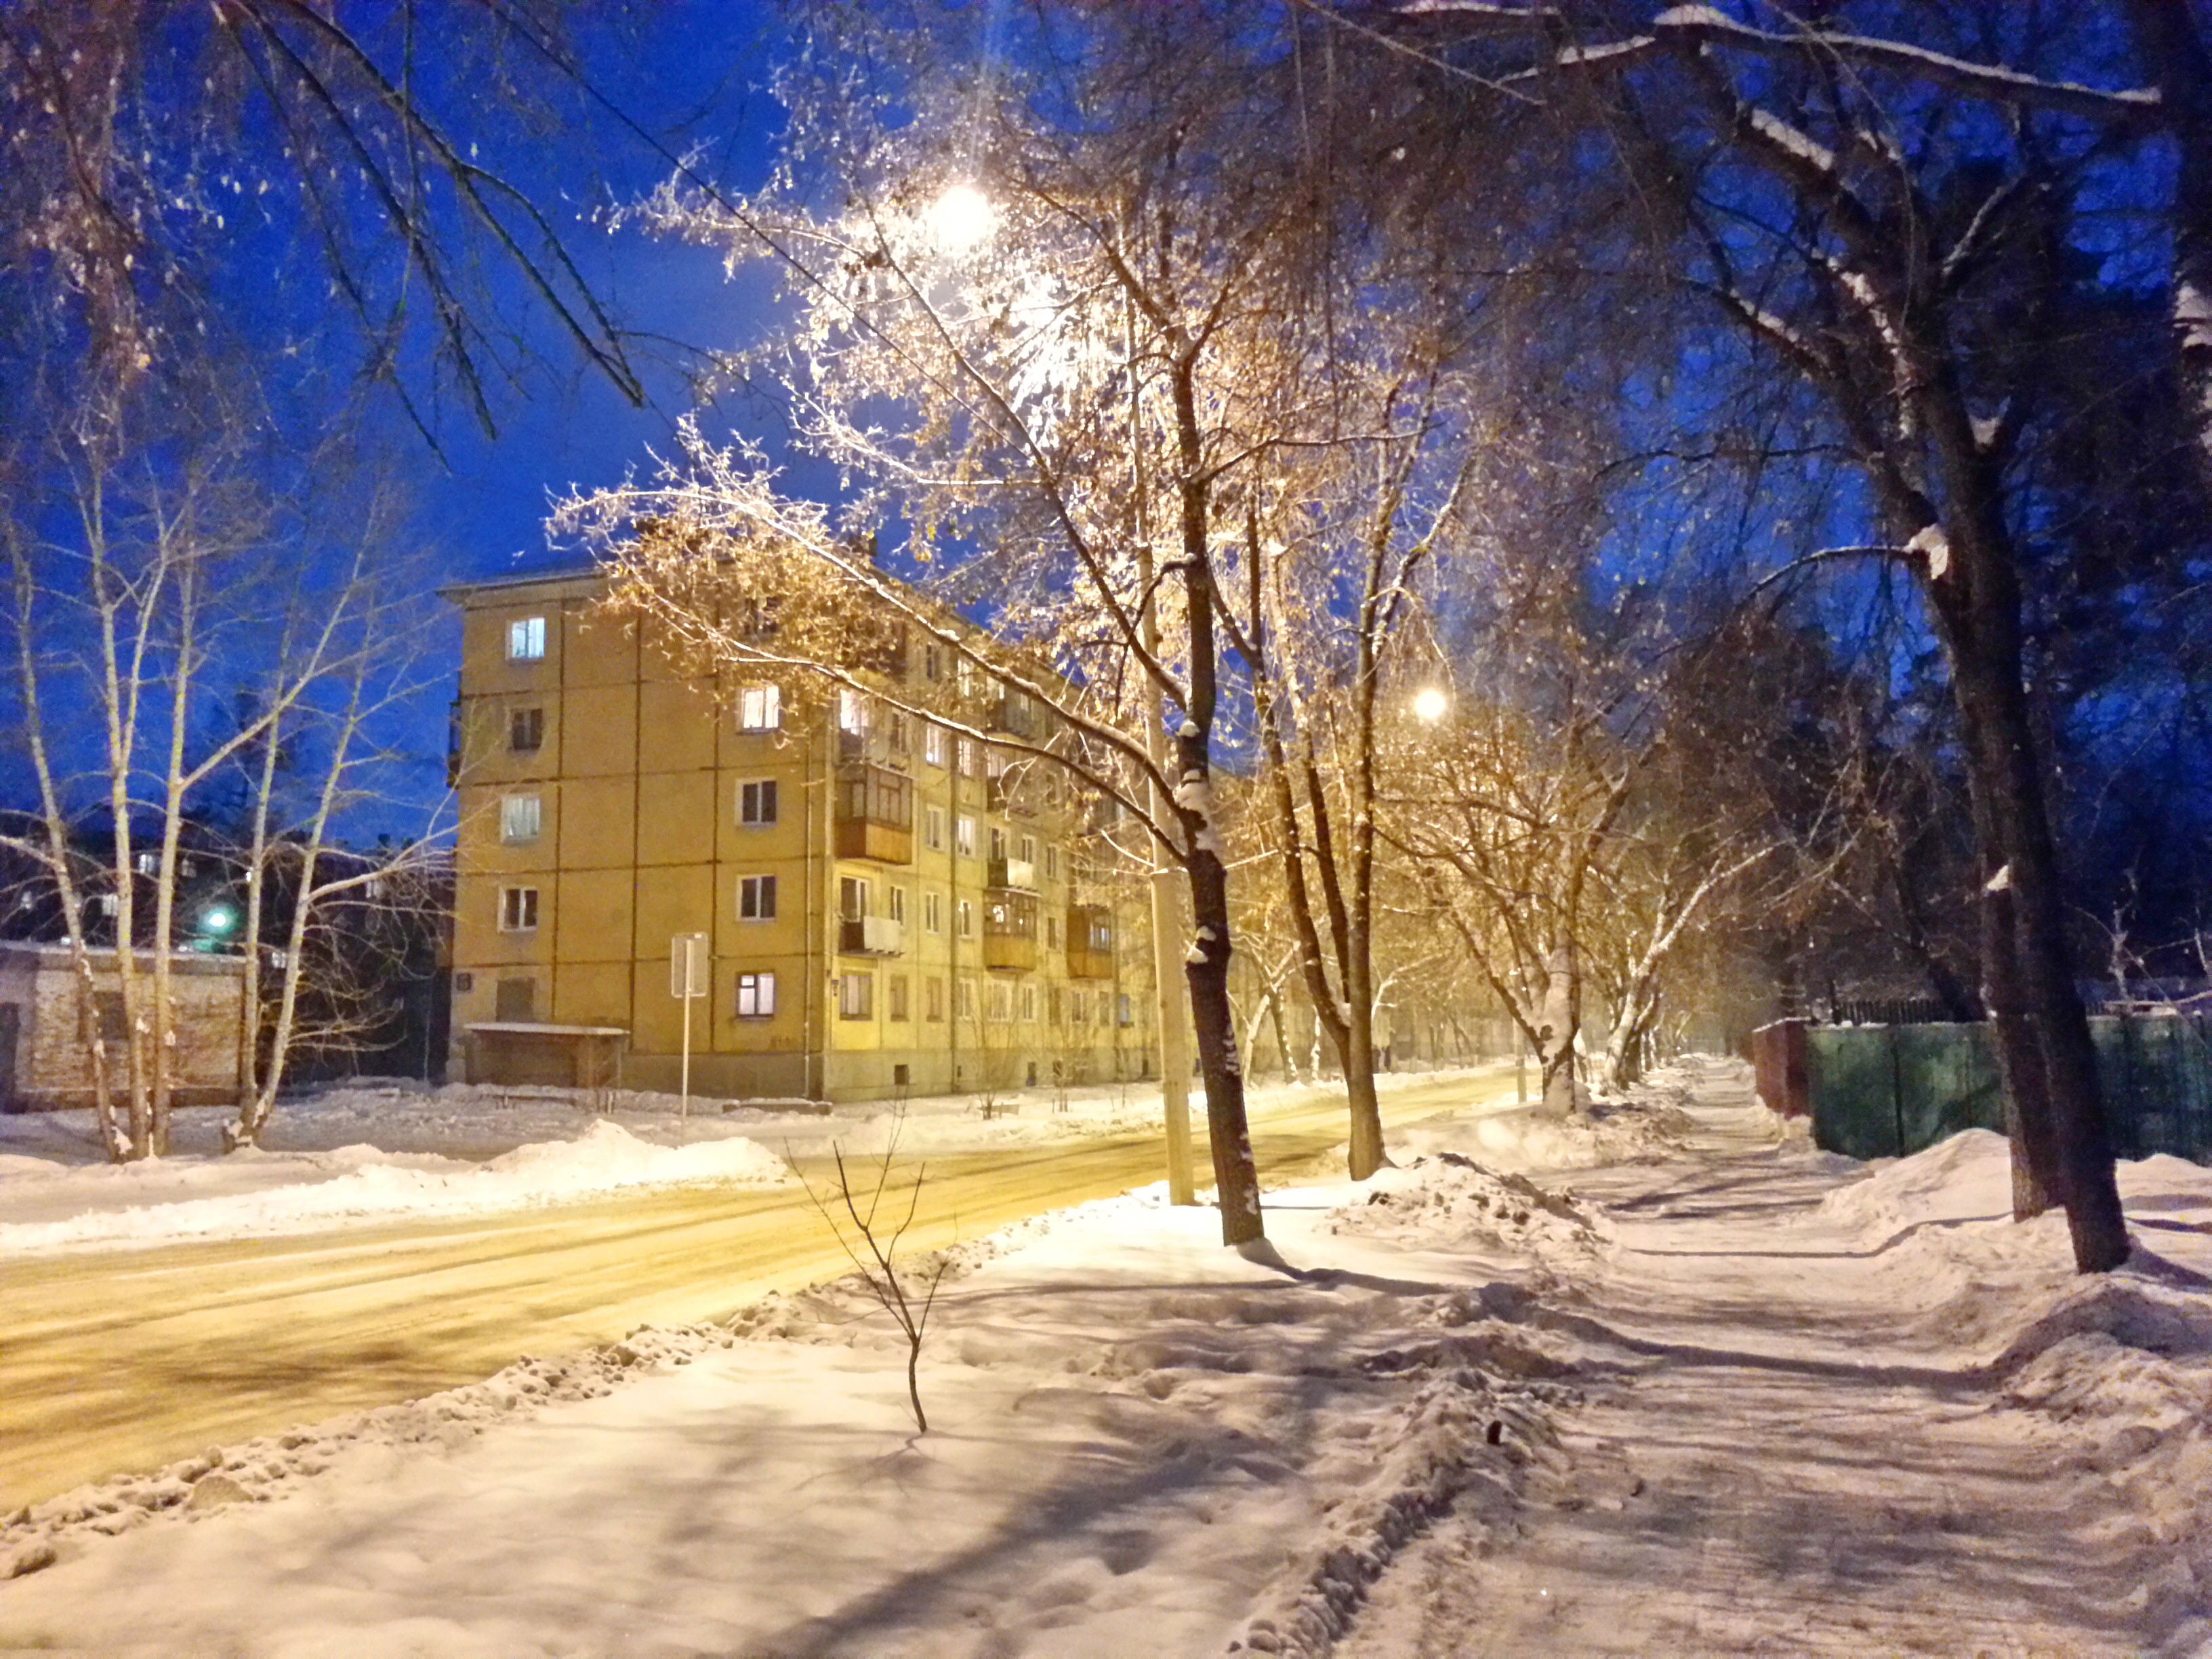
x,y
1674,1383
392,1150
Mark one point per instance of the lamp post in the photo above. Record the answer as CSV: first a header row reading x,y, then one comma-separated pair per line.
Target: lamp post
x,y
960,219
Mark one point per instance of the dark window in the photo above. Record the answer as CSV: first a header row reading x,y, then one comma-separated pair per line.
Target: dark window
x,y
757,801
525,729
516,1001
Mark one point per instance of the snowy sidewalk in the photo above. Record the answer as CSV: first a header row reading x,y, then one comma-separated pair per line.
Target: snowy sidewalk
x,y
1793,1442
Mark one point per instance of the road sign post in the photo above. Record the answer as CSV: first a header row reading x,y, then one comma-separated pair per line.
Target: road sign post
x,y
687,978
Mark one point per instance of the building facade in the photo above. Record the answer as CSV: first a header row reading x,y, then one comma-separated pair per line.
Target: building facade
x,y
886,906
46,1051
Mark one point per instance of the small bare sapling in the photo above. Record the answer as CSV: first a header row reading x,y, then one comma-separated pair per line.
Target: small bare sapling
x,y
909,1298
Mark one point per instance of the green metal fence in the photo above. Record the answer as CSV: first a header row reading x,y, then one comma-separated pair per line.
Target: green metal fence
x,y
1887,1090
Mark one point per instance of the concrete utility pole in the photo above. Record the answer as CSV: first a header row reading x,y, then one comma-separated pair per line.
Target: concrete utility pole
x,y
1167,929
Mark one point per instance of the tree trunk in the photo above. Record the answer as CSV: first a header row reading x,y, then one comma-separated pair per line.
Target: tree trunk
x,y
2173,52
1555,1032
1213,1023
2000,743
2020,1058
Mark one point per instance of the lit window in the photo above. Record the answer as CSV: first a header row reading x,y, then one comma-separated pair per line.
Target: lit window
x,y
998,845
932,742
856,996
967,752
525,639
853,713
518,910
760,708
895,901
932,829
964,914
932,911
964,835
1051,862
757,801
900,730
520,818
757,898
525,729
1029,850
933,663
755,996
851,898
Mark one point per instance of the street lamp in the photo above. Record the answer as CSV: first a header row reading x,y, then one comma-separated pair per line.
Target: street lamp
x,y
962,218
1430,703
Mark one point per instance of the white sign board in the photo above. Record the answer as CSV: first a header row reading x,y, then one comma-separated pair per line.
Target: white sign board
x,y
687,965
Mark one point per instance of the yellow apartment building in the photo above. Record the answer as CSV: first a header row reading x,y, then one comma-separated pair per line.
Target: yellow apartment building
x,y
887,907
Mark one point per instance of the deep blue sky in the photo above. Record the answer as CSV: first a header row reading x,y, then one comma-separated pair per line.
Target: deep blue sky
x,y
694,81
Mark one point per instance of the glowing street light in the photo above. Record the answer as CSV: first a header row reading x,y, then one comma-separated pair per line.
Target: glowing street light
x,y
962,218
1430,703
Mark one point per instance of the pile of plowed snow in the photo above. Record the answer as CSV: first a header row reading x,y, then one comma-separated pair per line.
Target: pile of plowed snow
x,y
354,1184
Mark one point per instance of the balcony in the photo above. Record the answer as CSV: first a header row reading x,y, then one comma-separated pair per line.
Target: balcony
x,y
1013,875
1090,942
874,814
1015,714
871,936
1010,932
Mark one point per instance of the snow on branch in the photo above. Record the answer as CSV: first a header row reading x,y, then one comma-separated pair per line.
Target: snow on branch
x,y
1708,25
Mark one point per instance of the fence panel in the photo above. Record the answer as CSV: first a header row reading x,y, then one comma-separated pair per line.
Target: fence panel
x,y
1881,1092
1852,1071
1946,1081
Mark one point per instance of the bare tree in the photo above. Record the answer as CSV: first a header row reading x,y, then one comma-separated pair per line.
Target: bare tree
x,y
871,1240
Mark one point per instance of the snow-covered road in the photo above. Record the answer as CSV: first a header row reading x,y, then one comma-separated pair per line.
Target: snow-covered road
x,y
1586,1395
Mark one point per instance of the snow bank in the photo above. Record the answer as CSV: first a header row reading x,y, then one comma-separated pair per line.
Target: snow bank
x,y
358,1183
1647,1127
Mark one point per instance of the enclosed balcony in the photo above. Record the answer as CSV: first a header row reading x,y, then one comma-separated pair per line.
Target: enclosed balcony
x,y
874,814
1016,714
1013,875
871,936
1090,942
1010,932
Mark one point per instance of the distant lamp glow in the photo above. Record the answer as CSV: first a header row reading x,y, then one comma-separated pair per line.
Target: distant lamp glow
x,y
962,218
1430,703
218,919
